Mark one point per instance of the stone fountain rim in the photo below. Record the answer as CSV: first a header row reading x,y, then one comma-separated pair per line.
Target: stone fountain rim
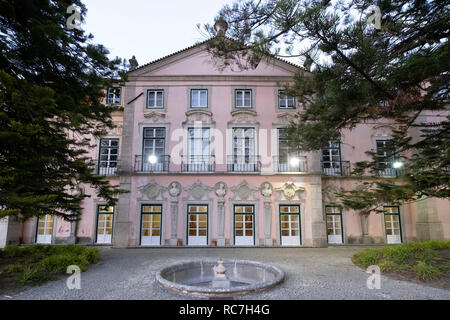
x,y
202,291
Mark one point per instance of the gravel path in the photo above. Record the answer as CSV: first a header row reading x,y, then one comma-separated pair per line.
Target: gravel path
x,y
325,273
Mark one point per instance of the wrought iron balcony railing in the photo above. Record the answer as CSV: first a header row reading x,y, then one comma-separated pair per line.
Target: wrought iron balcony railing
x,y
290,164
106,168
152,163
336,168
198,164
244,164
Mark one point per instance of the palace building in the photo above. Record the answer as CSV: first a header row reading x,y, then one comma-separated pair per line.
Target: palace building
x,y
204,155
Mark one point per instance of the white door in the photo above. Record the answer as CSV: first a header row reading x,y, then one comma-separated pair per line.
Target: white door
x,y
244,159
45,229
105,224
244,225
197,225
334,225
151,225
290,225
392,225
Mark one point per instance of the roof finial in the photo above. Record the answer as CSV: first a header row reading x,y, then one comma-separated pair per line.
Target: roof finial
x,y
221,26
133,63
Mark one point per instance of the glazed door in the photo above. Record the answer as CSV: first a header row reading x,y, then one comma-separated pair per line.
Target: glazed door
x,y
197,225
151,225
105,224
392,225
244,225
45,229
290,225
334,225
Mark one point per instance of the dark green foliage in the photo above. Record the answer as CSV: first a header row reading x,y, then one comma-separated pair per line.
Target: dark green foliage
x,y
419,258
39,263
51,83
397,73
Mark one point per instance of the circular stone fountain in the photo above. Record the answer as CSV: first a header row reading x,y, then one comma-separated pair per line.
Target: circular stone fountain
x,y
219,278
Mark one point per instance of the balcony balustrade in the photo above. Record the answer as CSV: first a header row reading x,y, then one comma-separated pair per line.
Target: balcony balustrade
x,y
290,164
198,164
152,163
336,168
106,168
244,164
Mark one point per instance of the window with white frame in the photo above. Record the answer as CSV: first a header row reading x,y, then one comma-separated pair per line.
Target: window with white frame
x,y
243,147
155,99
109,156
243,98
113,95
199,98
285,101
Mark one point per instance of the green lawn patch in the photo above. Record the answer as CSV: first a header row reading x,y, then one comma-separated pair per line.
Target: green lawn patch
x,y
38,263
426,261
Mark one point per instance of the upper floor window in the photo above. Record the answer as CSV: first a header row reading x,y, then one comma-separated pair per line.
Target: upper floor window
x,y
243,98
199,98
155,99
109,156
384,153
113,95
331,158
285,101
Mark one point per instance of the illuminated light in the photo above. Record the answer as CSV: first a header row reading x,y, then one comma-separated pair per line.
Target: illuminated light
x,y
397,164
294,161
152,159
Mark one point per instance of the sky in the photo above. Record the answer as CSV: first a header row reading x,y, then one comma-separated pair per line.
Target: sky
x,y
148,29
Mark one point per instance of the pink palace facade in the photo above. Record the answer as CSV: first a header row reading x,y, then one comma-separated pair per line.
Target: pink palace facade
x,y
206,162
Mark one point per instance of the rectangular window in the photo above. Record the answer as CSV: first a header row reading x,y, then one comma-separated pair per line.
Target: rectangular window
x,y
44,229
113,95
384,154
290,225
197,228
109,156
244,157
331,159
105,217
243,98
199,98
288,156
153,153
285,101
199,151
244,225
151,225
392,225
334,224
155,99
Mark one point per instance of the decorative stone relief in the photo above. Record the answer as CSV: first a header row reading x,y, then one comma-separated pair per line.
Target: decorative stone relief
x,y
220,189
266,189
287,117
198,190
117,130
203,116
244,117
289,191
174,189
152,190
382,130
329,193
243,191
155,117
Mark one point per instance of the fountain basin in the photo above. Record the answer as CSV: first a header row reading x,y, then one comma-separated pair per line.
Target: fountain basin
x,y
195,277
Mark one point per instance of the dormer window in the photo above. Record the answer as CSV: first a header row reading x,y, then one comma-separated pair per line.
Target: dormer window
x,y
199,98
243,98
114,95
285,101
155,99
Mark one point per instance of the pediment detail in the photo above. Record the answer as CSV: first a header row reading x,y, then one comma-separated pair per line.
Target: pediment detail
x,y
290,191
287,117
203,116
152,190
244,191
155,117
198,190
244,117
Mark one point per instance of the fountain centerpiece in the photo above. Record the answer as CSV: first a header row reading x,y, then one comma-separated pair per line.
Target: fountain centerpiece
x,y
210,278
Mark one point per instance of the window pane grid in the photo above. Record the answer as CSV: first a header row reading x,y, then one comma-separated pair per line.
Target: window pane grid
x,y
155,99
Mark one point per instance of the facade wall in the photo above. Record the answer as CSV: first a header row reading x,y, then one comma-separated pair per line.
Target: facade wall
x,y
309,188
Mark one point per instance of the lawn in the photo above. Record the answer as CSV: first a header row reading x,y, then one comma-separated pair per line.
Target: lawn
x,y
36,264
425,261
